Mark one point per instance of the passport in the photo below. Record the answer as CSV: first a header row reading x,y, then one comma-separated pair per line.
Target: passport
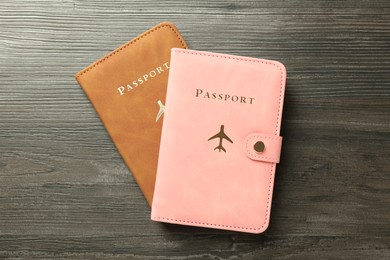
x,y
220,141
127,88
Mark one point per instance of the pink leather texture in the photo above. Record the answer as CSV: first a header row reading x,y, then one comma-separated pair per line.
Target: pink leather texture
x,y
205,176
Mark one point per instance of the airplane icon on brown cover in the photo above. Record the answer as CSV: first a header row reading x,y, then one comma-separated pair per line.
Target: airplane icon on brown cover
x,y
221,135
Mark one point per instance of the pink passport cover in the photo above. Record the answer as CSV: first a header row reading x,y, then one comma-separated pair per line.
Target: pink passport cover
x,y
220,141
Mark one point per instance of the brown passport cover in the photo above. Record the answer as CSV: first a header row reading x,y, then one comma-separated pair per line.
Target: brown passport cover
x,y
124,88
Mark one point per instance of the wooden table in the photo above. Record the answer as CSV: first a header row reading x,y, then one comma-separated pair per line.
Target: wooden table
x,y
65,191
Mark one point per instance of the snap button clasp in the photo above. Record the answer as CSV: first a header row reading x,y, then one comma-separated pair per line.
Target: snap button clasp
x,y
263,147
259,147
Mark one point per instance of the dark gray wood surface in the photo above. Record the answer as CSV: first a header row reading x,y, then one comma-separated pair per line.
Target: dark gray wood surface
x,y
65,191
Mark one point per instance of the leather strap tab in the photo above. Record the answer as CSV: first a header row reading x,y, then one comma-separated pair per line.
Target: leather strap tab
x,y
263,147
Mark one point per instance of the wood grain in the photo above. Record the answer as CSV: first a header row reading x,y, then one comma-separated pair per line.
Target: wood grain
x,y
66,193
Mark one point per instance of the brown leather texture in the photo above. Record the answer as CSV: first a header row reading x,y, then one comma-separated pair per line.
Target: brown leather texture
x,y
124,88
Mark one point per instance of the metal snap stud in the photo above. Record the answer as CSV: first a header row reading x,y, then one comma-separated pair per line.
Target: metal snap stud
x,y
259,146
